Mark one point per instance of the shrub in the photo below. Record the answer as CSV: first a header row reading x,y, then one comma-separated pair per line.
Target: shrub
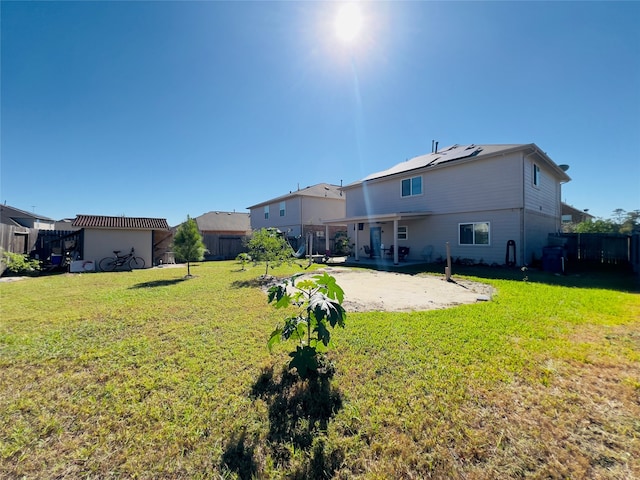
x,y
20,263
319,301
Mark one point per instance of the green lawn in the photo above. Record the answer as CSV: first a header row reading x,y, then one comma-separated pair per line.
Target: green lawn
x,y
147,375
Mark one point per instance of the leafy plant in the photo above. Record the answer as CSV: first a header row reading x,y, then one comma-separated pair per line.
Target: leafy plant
x,y
243,258
319,303
187,243
269,246
622,222
19,263
341,243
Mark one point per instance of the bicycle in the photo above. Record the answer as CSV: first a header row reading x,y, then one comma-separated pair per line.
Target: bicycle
x,y
109,264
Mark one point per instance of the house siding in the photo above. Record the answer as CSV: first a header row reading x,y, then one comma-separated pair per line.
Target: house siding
x,y
301,211
538,226
497,189
315,212
436,230
100,243
465,187
289,223
544,198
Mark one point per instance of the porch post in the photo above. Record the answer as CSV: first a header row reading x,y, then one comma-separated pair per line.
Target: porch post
x,y
396,247
355,239
326,238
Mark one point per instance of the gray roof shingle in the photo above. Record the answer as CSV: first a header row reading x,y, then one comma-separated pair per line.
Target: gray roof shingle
x,y
224,222
320,190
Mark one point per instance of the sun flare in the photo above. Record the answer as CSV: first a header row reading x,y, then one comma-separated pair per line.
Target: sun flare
x,y
348,22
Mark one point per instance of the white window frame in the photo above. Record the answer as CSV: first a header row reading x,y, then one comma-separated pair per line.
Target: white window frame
x,y
474,244
410,180
535,175
266,212
283,209
403,232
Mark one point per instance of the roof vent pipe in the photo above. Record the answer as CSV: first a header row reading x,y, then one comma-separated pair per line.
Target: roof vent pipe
x,y
436,151
432,142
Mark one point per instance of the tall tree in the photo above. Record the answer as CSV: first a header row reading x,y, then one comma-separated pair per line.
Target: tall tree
x,y
187,243
269,246
621,222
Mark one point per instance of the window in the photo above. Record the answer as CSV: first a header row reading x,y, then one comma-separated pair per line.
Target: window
x,y
412,186
266,212
403,232
283,210
536,175
474,233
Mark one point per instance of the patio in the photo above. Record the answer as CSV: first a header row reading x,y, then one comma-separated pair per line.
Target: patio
x,y
375,262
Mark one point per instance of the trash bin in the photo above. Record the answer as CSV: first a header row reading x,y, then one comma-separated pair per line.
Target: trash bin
x,y
553,259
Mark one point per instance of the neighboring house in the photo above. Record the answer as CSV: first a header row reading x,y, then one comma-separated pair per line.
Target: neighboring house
x,y
573,216
22,218
302,213
224,233
102,235
492,204
19,230
66,224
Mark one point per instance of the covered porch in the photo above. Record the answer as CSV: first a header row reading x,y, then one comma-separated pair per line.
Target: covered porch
x,y
368,243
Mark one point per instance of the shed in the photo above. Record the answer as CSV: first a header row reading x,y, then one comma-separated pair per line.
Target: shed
x,y
102,235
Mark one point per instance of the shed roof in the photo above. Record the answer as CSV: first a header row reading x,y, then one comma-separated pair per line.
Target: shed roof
x,y
126,223
320,190
224,222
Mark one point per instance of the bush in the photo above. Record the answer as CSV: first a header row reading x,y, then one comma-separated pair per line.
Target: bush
x,y
20,263
319,301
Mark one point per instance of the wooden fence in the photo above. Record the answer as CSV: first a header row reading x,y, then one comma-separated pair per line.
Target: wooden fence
x,y
16,239
596,249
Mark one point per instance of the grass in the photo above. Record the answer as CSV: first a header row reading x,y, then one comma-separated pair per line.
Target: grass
x,y
147,375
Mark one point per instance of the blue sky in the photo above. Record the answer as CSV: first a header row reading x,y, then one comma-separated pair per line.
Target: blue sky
x,y
169,109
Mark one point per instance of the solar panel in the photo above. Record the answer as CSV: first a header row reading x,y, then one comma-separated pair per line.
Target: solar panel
x,y
455,152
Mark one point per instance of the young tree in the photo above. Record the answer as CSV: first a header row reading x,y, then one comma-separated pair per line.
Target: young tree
x,y
319,302
269,246
187,243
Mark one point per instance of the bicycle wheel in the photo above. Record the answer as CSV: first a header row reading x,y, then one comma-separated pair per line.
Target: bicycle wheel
x,y
136,262
107,264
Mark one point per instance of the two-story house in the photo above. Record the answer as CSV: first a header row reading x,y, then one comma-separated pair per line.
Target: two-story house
x,y
302,213
492,204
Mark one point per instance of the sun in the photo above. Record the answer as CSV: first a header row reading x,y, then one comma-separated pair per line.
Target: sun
x,y
348,22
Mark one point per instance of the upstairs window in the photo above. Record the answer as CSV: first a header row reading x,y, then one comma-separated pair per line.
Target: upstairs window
x,y
283,210
412,186
536,175
474,233
266,212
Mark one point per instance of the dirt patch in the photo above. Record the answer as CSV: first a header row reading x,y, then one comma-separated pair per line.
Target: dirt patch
x,y
370,290
11,279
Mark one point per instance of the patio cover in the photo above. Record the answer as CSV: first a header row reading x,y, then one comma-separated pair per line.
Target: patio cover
x,y
379,218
